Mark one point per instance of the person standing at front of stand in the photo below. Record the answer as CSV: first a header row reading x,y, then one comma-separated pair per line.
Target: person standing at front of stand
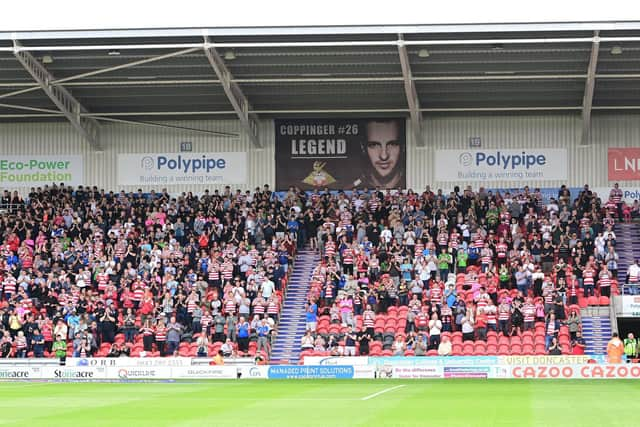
x,y
60,349
630,347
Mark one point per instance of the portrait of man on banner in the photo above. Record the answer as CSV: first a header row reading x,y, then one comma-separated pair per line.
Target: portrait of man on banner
x,y
340,153
383,155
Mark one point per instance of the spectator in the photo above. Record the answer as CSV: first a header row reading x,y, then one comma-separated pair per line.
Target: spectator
x,y
421,344
307,341
350,340
467,329
364,339
435,327
226,348
147,336
263,336
5,345
615,195
398,346
114,351
555,349
37,343
60,349
174,332
445,348
633,276
244,330
160,334
578,344
481,325
552,327
311,316
202,345
129,325
21,345
574,323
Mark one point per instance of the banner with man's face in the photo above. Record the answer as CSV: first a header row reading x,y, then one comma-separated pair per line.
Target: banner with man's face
x,y
340,153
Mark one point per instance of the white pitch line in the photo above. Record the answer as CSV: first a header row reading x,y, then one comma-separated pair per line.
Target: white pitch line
x,y
386,390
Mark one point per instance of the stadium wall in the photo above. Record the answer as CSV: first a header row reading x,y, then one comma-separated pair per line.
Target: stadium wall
x,y
100,168
585,164
545,131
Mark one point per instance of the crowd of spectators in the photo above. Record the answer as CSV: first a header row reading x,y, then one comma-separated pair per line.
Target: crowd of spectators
x,y
109,273
106,273
424,273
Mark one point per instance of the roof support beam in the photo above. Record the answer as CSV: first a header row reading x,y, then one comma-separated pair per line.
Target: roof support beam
x,y
97,72
411,94
87,127
589,89
239,102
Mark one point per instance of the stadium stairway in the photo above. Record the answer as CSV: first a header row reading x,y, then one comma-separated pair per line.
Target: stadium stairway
x,y
596,330
627,246
291,328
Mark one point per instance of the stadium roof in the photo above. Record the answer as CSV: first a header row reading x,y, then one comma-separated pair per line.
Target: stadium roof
x,y
361,70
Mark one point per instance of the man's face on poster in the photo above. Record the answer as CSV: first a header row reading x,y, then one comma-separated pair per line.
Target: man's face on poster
x,y
383,148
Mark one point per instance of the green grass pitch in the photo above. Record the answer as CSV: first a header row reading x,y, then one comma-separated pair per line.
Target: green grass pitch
x,y
323,403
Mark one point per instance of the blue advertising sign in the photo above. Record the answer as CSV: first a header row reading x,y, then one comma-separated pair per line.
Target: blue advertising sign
x,y
310,372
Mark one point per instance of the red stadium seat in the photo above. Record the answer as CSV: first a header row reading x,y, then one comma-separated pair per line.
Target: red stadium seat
x,y
604,300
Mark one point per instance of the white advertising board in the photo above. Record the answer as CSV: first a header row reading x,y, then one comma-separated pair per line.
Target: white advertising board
x,y
182,168
410,372
490,165
205,372
630,306
37,171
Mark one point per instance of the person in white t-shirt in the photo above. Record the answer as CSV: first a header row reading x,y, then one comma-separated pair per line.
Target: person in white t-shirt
x,y
633,276
435,326
267,288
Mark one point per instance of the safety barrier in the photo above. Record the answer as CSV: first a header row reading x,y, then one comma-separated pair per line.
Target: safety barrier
x,y
526,367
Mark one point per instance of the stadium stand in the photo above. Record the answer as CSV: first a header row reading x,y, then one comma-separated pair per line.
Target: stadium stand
x,y
402,273
142,274
487,274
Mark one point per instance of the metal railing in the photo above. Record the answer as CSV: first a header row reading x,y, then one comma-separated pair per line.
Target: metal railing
x,y
630,289
10,208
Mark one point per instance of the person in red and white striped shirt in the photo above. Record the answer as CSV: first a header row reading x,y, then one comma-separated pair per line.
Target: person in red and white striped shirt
x,y
616,196
529,313
588,281
504,314
273,307
435,293
160,332
9,286
604,281
368,320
